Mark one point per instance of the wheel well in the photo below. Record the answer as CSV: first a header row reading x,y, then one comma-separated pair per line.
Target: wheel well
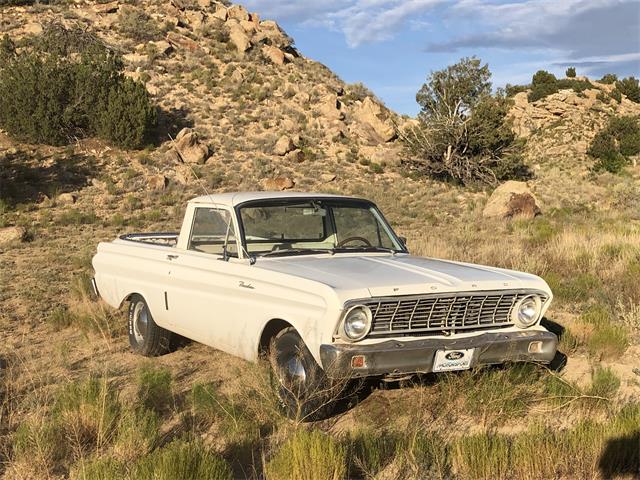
x,y
271,329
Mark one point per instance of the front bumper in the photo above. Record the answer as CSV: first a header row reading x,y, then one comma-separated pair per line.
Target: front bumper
x,y
396,357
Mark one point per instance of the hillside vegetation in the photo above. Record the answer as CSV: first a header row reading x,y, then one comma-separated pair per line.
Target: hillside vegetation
x,y
75,403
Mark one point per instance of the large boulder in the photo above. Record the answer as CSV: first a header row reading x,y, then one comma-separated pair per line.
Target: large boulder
x,y
190,148
371,113
67,198
12,234
330,107
157,182
238,12
274,54
512,199
277,184
284,145
220,12
238,36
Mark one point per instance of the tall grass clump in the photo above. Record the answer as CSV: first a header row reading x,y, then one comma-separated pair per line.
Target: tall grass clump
x,y
82,422
308,455
154,388
370,452
606,339
90,315
484,455
99,469
232,417
185,460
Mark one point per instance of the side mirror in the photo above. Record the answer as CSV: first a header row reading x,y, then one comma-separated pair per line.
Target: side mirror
x,y
404,241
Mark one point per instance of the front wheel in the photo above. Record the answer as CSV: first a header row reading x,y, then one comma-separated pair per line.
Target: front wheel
x,y
145,336
304,390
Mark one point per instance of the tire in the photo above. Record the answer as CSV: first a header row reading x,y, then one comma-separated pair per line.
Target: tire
x,y
145,336
304,391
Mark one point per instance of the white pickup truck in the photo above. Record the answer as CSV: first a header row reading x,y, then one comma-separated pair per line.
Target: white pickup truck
x,y
324,285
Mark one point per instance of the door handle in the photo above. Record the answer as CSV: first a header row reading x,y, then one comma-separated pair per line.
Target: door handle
x,y
171,257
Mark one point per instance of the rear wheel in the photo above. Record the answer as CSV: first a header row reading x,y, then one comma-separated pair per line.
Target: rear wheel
x,y
145,336
304,390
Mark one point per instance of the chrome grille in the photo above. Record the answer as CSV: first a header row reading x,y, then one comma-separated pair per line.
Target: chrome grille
x,y
415,315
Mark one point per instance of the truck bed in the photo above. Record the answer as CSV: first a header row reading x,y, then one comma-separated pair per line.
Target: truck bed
x,y
166,239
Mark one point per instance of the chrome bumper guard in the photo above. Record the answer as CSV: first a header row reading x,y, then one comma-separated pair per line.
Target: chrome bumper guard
x,y
396,357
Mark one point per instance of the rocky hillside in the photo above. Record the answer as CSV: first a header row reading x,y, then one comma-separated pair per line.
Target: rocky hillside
x,y
258,108
564,123
558,130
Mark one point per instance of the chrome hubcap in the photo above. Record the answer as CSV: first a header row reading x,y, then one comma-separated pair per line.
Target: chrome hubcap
x,y
296,371
140,321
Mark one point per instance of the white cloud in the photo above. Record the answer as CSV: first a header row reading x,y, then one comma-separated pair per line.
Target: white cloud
x,y
361,21
574,30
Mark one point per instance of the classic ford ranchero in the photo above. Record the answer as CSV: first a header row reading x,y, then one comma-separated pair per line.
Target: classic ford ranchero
x,y
323,285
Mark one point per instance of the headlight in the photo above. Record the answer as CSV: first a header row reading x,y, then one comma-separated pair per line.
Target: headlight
x,y
527,311
357,322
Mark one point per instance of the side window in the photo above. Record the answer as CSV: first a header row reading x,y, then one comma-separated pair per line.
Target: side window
x,y
211,228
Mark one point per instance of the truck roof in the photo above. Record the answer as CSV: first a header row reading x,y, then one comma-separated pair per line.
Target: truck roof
x,y
236,198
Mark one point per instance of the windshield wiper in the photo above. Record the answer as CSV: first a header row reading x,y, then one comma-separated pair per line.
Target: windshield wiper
x,y
297,251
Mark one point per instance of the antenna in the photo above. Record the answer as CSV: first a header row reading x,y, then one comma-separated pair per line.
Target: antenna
x,y
201,184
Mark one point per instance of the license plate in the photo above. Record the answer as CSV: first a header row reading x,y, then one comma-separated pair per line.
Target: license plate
x,y
449,360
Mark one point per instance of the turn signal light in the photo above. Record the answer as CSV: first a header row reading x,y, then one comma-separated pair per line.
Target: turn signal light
x,y
535,347
358,361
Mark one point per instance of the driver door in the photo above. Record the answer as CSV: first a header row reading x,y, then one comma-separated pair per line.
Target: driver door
x,y
202,298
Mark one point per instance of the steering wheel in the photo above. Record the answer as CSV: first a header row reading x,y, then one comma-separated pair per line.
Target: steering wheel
x,y
353,239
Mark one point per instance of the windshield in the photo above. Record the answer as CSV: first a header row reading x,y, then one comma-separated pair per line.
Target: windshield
x,y
294,227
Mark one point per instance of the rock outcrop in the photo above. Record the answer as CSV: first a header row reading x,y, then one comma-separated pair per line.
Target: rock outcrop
x,y
190,148
378,125
12,234
278,184
512,199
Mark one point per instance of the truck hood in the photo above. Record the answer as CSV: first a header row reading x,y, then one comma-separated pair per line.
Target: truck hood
x,y
382,275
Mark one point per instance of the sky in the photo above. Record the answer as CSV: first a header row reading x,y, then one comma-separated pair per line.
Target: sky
x,y
392,45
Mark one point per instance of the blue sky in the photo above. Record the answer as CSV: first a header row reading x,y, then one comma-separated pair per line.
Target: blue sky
x,y
392,45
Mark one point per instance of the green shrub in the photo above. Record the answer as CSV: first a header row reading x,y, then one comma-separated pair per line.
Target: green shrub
x,y
370,452
60,318
612,146
571,72
182,460
483,455
134,23
40,444
608,341
308,455
541,91
356,91
630,87
99,469
604,383
128,116
231,417
154,388
609,79
137,433
512,90
542,77
85,92
463,133
616,95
